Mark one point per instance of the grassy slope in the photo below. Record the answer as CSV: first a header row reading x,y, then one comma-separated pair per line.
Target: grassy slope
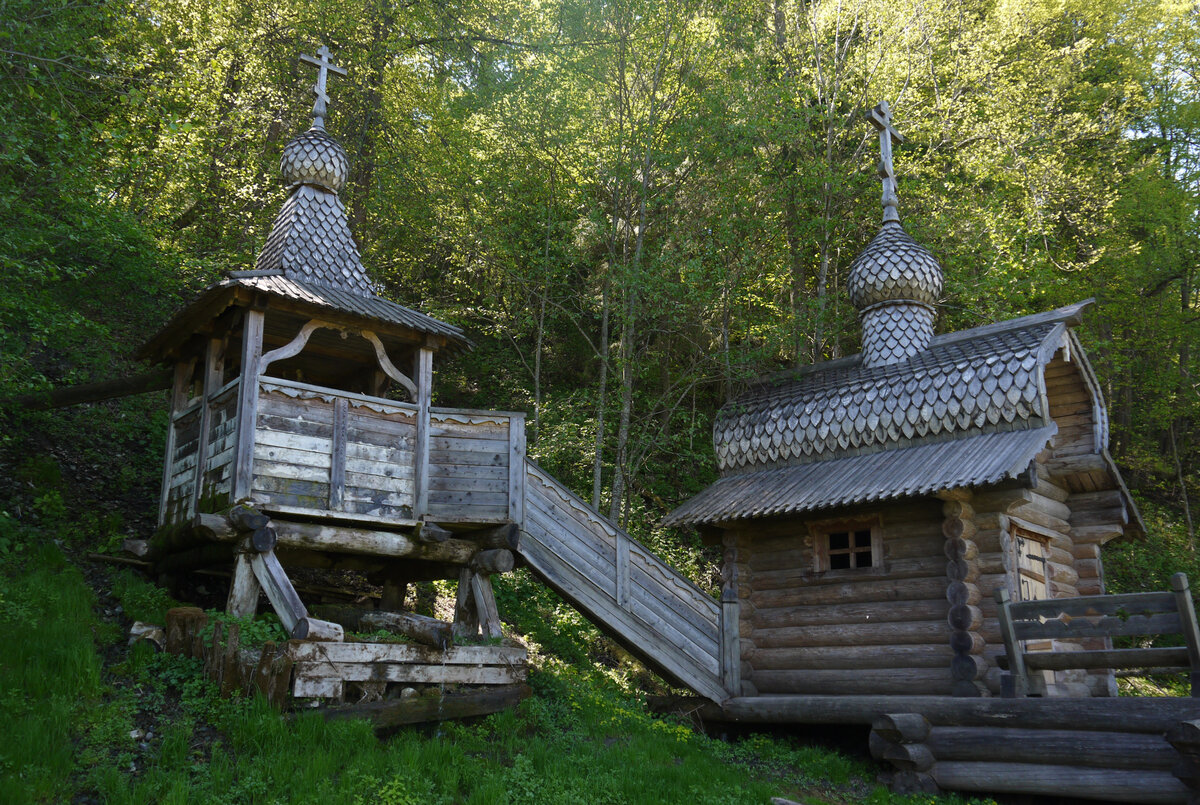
x,y
94,721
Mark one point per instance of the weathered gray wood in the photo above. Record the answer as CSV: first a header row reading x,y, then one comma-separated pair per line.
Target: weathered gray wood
x,y
252,334
902,727
445,707
431,532
934,655
1016,657
1116,785
1107,658
310,628
1102,749
243,589
494,560
434,674
507,535
211,383
340,539
423,629
182,373
421,447
516,469
337,459
621,570
485,605
279,590
466,615
1188,626
730,649
1133,714
889,681
406,653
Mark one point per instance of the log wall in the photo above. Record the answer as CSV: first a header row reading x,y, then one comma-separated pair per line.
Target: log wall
x,y
872,630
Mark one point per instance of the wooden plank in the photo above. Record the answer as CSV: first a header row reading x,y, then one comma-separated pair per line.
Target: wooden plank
x,y
422,442
379,461
388,714
318,492
579,554
494,431
1095,605
482,446
337,458
243,589
252,332
443,458
413,674
621,593
699,616
1108,658
279,589
318,688
516,469
289,471
381,483
730,647
485,605
352,652
382,432
488,500
466,483
1098,627
293,441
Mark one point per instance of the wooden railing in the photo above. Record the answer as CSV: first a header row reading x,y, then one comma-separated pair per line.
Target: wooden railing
x,y
316,449
641,601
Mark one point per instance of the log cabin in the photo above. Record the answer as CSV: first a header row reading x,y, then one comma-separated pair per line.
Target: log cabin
x,y
868,507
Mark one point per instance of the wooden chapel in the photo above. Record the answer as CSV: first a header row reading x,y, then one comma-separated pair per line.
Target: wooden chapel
x,y
285,451
870,506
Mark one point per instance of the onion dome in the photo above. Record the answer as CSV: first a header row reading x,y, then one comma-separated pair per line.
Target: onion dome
x,y
894,267
895,282
315,158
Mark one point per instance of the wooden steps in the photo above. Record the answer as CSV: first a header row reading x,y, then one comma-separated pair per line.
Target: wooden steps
x,y
636,598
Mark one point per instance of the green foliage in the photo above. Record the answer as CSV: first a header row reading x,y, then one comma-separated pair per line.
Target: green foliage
x,y
1140,565
142,600
252,631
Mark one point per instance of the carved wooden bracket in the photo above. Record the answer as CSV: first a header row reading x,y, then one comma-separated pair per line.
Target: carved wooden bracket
x,y
297,344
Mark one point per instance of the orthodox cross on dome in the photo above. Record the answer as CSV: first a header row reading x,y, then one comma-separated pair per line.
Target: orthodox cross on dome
x,y
881,118
324,68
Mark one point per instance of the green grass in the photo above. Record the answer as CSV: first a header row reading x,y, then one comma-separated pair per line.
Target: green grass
x,y
74,727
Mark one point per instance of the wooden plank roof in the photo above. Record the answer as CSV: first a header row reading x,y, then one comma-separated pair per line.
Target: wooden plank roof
x,y
978,460
964,384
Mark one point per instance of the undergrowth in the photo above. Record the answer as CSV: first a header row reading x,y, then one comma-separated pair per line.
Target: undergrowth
x,y
149,728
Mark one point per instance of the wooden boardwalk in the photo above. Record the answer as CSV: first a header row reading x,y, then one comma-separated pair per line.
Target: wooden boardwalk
x,y
621,586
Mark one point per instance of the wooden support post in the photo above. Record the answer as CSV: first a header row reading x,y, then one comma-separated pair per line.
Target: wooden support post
x,y
252,339
424,372
243,588
730,638
213,360
466,616
496,560
516,468
183,374
337,463
485,605
1015,684
1187,625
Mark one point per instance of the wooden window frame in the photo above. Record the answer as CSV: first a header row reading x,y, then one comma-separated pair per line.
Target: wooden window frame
x,y
821,532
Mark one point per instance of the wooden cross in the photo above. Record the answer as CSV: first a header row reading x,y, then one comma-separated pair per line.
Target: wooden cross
x,y
324,68
881,118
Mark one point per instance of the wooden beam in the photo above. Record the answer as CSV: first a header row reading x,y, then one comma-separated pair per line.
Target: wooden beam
x,y
243,589
516,468
153,380
424,400
243,468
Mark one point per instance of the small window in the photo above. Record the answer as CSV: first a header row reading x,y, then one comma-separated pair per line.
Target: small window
x,y
845,545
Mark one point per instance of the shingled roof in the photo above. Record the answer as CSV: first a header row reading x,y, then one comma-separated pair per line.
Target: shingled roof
x,y
969,410
310,258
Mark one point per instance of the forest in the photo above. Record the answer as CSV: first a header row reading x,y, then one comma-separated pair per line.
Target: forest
x,y
632,207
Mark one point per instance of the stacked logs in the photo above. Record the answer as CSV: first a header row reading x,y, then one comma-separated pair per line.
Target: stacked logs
x,y
968,665
1059,756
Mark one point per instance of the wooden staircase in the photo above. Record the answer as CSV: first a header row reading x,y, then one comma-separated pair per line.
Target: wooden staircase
x,y
632,595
